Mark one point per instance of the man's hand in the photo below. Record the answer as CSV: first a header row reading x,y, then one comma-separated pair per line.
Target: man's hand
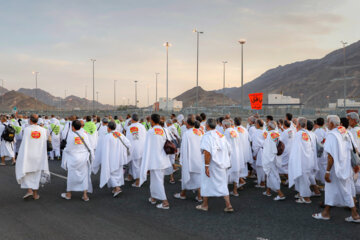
x,y
207,171
327,177
254,158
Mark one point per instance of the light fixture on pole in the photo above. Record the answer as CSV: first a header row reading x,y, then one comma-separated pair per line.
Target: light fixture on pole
x,y
36,87
115,95
167,45
136,101
156,86
197,65
93,76
242,42
224,62
344,74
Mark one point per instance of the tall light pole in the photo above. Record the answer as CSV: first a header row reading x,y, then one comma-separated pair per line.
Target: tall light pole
x,y
115,94
156,86
97,96
36,86
167,45
224,62
197,65
2,94
344,75
93,76
135,93
242,42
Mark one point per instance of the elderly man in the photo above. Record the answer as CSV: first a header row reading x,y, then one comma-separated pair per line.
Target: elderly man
x,y
155,160
354,128
301,163
32,161
136,134
270,162
191,161
77,158
236,157
112,156
339,186
216,152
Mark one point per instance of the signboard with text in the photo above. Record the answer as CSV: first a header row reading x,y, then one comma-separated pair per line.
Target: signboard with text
x,y
256,100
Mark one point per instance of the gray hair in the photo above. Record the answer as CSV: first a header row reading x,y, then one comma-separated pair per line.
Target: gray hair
x,y
252,119
353,116
302,122
334,119
226,123
272,124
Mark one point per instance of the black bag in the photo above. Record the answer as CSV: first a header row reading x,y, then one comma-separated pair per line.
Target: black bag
x,y
280,148
169,147
8,133
63,142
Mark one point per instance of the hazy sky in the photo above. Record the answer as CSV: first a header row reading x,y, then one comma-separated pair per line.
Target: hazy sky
x,y
57,39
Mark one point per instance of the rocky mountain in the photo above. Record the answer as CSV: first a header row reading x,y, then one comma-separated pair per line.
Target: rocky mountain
x,y
206,98
309,80
69,103
3,90
21,101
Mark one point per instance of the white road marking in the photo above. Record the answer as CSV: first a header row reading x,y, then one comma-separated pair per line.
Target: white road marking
x,y
57,175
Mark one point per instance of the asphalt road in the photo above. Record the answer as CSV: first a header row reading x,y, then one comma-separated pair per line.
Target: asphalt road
x,y
130,216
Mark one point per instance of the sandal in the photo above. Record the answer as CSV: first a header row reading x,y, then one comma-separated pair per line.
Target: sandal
x,y
161,206
228,210
351,219
266,194
301,200
319,216
27,195
63,195
278,198
201,208
199,200
151,201
178,196
117,193
233,194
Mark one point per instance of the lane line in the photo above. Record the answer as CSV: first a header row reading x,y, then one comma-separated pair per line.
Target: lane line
x,y
57,175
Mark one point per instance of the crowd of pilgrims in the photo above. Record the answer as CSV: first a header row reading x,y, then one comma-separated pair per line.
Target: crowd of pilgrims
x,y
215,155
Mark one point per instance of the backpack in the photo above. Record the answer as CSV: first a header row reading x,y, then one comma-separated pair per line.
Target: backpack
x,y
8,133
280,148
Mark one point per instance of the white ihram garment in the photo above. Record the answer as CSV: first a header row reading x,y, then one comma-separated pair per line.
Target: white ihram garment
x,y
32,159
215,185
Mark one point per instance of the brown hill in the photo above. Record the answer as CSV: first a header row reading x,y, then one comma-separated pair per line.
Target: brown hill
x,y
206,99
21,101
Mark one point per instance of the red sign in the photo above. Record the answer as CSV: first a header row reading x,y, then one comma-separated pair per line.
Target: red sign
x,y
256,100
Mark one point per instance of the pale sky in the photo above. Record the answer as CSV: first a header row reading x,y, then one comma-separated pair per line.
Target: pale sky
x,y
58,38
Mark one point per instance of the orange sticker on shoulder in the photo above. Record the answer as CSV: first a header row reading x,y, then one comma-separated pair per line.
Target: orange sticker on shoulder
x,y
197,132
233,134
219,134
305,136
275,135
159,131
358,133
240,130
35,134
265,135
116,134
78,141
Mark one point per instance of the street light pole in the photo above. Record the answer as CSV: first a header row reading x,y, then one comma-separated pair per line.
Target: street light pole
x,y
224,62
36,86
156,85
115,95
167,45
242,42
344,75
2,95
135,93
97,96
197,65
93,76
